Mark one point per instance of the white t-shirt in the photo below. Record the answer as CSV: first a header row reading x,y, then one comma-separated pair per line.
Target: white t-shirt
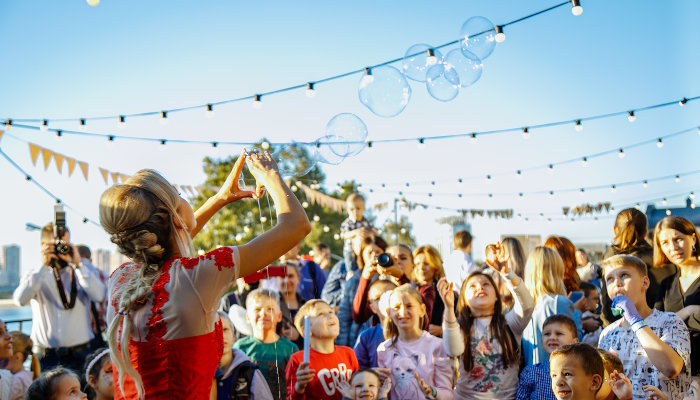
x,y
638,368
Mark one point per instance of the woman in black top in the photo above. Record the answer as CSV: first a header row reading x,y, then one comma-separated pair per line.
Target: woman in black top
x,y
676,242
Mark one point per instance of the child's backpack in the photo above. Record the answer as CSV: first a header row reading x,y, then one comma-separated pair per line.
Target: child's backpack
x,y
239,385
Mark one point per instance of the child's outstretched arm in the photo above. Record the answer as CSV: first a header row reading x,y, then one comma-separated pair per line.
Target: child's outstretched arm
x,y
620,385
654,393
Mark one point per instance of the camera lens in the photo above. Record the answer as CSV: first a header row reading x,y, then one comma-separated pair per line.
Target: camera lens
x,y
62,248
384,260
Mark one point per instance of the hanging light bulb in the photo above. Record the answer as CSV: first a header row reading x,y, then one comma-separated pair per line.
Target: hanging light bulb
x,y
431,60
682,102
122,122
645,184
59,134
519,173
664,201
613,188
163,117
584,161
83,126
500,36
578,126
210,111
582,190
110,138
265,145
659,143
488,178
526,133
317,218
8,124
638,206
421,144
310,91
473,137
691,195
368,78
550,168
551,193
214,144
369,145
93,3
621,153
257,102
162,142
326,228
44,126
576,8
631,117
305,204
668,212
678,178
692,205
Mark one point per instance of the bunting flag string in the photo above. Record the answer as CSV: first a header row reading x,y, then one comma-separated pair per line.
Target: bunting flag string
x,y
322,199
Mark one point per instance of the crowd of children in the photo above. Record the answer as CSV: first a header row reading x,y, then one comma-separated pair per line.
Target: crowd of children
x,y
392,323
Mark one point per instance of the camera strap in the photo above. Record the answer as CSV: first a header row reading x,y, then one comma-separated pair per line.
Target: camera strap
x,y
61,292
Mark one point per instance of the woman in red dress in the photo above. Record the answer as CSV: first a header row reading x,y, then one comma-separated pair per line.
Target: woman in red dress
x,y
164,334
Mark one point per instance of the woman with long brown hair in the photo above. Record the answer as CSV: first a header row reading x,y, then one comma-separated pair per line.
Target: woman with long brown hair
x,y
567,252
676,242
164,334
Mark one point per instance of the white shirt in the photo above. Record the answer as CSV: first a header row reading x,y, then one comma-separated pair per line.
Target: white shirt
x,y
52,325
457,267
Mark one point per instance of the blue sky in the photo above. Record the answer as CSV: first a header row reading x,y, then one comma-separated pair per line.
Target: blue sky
x,y
69,60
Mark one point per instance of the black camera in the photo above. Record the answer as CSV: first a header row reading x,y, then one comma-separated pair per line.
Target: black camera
x,y
384,260
59,230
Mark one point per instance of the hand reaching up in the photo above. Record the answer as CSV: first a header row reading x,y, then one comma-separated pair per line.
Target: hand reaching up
x,y
446,292
620,385
497,259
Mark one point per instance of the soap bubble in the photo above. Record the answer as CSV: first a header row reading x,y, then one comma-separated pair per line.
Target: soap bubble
x,y
467,65
349,128
385,92
442,82
478,37
415,66
295,159
325,153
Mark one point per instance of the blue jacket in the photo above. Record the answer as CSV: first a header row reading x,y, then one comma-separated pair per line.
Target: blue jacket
x,y
310,288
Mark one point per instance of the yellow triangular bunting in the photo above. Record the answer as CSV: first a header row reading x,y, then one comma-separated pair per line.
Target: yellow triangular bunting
x,y
123,177
47,154
115,177
59,161
104,173
84,168
1,132
34,152
71,165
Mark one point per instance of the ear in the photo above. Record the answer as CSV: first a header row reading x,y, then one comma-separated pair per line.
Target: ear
x,y
645,283
422,307
614,230
92,381
279,316
596,383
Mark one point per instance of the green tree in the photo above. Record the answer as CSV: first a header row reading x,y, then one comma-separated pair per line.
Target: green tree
x,y
400,229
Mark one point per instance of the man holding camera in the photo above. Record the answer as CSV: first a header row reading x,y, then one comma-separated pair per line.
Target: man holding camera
x,y
60,292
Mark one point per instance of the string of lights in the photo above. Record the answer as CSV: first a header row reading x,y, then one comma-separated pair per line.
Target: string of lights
x,y
308,87
29,178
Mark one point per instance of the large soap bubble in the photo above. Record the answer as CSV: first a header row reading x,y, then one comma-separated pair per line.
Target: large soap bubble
x,y
385,92
295,159
325,153
351,134
467,65
442,82
478,37
416,61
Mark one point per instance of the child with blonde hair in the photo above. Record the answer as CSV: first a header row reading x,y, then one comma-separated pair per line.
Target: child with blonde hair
x,y
418,364
21,350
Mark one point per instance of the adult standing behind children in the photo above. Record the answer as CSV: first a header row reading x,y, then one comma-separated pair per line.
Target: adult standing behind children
x,y
60,292
459,265
676,241
164,331
653,345
311,276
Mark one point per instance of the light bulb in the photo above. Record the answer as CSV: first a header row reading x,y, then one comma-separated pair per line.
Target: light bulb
x,y
368,78
122,122
336,236
582,191
659,143
691,195
526,133
369,146
317,218
578,126
500,36
163,117
8,124
664,201
584,161
210,111
294,188
421,144
638,206
613,188
310,91
44,126
550,168
678,178
551,193
305,204
326,228
162,142
576,8
621,153
265,145
473,137
631,117
431,60
692,205
93,3
83,126
668,212
682,102
645,184
214,144
110,138
59,134
257,102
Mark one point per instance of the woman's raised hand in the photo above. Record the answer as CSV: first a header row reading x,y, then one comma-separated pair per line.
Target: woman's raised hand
x,y
497,258
446,293
230,191
263,168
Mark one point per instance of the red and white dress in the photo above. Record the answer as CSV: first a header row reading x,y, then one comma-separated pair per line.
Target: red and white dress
x,y
176,341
